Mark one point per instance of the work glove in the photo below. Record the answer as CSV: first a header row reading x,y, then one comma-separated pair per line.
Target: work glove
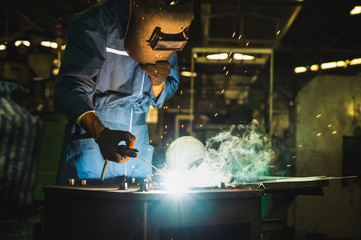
x,y
158,72
108,141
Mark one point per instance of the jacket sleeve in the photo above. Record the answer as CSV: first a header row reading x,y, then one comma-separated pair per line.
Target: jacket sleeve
x,y
81,63
170,84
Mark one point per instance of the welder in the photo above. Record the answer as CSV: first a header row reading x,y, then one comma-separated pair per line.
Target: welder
x,y
106,94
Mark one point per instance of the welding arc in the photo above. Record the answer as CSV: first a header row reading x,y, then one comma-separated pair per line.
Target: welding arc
x,y
151,165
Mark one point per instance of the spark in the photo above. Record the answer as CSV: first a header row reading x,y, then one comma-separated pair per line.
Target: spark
x,y
272,166
300,146
178,107
201,125
211,105
150,140
224,68
288,165
319,134
161,137
227,73
240,36
278,32
334,132
181,91
167,144
233,34
165,126
230,60
319,115
165,132
294,157
216,114
329,125
222,91
247,44
182,126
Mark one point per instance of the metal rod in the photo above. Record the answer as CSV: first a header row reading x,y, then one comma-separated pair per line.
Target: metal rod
x,y
152,165
103,172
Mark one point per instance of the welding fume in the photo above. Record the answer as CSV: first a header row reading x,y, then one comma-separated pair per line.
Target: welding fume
x,y
120,58
234,156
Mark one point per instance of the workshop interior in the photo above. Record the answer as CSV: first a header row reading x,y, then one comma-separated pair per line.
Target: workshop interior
x,y
260,141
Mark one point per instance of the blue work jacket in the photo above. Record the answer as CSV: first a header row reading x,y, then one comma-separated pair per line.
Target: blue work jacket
x,y
97,74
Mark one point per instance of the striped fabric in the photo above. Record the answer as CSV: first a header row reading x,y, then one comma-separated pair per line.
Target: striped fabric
x,y
20,135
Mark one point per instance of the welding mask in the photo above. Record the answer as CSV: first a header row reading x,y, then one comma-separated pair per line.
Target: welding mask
x,y
157,28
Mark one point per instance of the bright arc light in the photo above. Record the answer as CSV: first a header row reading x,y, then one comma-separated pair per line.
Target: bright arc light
x,y
355,10
341,64
49,44
314,67
22,42
328,65
188,74
239,56
300,69
2,47
218,56
355,61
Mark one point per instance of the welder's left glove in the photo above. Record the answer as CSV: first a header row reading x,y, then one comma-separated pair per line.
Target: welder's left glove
x,y
158,72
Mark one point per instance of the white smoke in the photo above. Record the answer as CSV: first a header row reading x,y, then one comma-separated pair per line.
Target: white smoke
x,y
241,154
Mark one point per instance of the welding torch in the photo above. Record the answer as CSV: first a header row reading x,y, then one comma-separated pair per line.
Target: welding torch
x,y
106,164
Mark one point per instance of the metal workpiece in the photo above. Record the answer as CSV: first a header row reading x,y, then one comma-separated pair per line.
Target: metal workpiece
x,y
222,185
83,182
71,182
123,186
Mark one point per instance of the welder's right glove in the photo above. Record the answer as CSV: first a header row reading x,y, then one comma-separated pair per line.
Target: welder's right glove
x,y
108,141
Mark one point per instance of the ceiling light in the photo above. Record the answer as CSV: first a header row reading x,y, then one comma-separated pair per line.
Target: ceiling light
x,y
341,64
314,67
188,74
218,56
22,42
239,56
2,47
355,10
355,61
328,65
49,44
300,69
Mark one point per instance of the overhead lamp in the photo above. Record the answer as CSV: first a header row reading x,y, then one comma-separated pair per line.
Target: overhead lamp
x,y
328,65
356,10
188,74
341,64
239,56
2,47
218,56
49,44
22,42
355,61
300,69
314,67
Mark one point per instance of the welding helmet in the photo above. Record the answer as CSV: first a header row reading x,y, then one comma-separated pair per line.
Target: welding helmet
x,y
185,153
157,28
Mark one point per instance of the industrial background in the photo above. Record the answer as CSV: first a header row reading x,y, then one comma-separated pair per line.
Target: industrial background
x,y
302,82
